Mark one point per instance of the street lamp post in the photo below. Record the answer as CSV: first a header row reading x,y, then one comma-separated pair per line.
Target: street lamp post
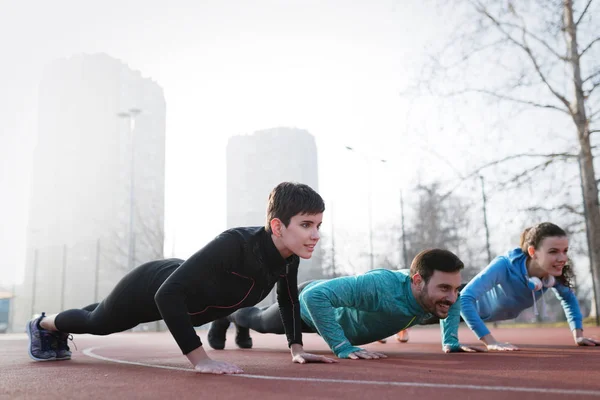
x,y
485,221
404,252
131,115
333,267
369,207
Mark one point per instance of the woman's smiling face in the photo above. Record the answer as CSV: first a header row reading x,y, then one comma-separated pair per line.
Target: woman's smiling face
x,y
301,235
551,254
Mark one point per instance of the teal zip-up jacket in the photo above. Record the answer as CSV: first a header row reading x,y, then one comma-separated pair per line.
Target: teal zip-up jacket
x,y
354,310
500,292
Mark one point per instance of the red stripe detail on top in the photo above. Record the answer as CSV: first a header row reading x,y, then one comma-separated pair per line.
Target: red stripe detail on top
x,y
235,305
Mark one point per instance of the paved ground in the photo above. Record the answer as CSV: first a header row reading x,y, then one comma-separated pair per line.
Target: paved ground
x,y
149,365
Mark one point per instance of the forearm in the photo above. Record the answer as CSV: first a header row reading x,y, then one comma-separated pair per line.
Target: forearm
x,y
292,323
570,305
173,311
321,312
449,328
470,314
289,310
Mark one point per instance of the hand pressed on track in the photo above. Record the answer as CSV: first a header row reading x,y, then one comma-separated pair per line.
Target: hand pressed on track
x,y
366,355
463,349
208,366
584,341
303,358
499,346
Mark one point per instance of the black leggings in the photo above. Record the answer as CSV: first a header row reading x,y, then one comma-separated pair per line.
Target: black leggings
x,y
130,303
265,319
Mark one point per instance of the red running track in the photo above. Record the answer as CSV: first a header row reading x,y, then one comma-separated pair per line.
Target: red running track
x,y
149,365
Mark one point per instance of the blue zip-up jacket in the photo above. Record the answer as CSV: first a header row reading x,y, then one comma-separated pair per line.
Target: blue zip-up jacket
x,y
355,310
500,292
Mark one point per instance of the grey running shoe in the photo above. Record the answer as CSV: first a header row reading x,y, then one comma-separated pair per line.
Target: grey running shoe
x,y
242,337
40,341
63,352
218,333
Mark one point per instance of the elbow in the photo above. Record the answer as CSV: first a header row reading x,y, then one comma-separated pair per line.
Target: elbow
x,y
466,300
307,296
463,302
306,299
159,297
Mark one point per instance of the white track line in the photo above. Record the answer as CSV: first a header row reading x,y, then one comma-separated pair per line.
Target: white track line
x,y
90,353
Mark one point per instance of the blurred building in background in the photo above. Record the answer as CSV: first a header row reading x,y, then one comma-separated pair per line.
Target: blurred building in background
x,y
100,124
255,165
5,309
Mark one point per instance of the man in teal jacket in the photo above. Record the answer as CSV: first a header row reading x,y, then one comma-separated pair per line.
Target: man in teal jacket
x,y
355,310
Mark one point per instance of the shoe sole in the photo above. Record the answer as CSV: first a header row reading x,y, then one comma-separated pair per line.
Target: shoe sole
x,y
34,358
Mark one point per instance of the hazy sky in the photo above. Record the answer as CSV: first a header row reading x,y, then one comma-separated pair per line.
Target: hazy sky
x,y
334,68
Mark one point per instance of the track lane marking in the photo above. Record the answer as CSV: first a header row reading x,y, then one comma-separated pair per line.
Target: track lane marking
x,y
573,392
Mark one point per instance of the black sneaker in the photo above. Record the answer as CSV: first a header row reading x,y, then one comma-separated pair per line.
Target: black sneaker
x,y
218,333
242,337
41,341
63,352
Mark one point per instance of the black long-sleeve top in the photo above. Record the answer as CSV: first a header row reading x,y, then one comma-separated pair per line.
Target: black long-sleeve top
x,y
237,269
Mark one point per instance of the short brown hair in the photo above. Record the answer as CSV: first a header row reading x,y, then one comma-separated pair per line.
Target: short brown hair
x,y
289,199
428,261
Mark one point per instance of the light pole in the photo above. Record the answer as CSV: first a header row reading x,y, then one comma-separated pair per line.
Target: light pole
x,y
402,226
333,267
485,221
131,115
369,206
404,252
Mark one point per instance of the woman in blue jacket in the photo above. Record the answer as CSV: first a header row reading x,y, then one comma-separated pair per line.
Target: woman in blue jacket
x,y
514,282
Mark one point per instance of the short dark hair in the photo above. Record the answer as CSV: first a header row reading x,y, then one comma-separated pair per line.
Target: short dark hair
x,y
428,261
289,199
534,235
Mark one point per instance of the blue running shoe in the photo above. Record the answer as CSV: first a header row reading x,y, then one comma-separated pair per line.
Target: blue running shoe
x,y
63,352
40,341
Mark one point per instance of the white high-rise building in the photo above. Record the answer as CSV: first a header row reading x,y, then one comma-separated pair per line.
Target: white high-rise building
x,y
78,236
256,164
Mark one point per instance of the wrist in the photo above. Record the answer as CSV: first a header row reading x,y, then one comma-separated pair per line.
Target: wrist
x,y
197,355
451,347
347,351
488,340
296,348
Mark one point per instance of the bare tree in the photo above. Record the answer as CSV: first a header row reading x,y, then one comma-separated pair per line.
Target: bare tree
x,y
329,258
546,55
440,221
148,241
